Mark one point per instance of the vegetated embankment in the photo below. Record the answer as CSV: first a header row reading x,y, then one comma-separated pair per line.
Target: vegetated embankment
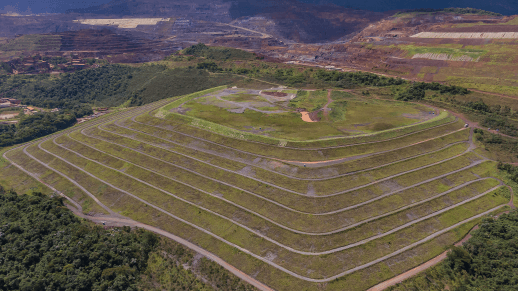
x,y
392,201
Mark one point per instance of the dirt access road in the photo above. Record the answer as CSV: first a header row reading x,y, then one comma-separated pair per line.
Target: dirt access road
x,y
114,221
325,109
411,273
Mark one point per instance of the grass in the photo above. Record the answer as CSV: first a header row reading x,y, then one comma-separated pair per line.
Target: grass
x,y
13,178
362,116
296,154
237,134
295,220
309,100
48,176
370,116
240,181
287,125
164,111
453,52
513,21
220,226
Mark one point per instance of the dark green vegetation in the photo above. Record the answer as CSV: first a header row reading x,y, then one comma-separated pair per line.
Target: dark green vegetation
x,y
218,53
510,169
40,124
106,86
6,67
498,147
487,261
173,267
110,85
43,246
417,91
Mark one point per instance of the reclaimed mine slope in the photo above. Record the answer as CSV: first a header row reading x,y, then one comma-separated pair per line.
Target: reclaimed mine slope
x,y
381,200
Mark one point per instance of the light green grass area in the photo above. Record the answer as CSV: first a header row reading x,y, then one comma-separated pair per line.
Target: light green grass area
x,y
485,84
369,116
309,100
363,117
29,185
163,111
280,125
513,21
327,265
14,178
289,154
451,51
198,125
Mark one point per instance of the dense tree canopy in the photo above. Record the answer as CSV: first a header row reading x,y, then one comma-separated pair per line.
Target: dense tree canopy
x,y
40,124
218,53
487,261
43,246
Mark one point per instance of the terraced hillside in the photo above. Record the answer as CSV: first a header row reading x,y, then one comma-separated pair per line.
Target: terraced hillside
x,y
329,214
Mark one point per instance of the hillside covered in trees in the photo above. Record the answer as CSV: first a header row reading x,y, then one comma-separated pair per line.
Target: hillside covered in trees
x,y
107,86
40,124
43,246
487,261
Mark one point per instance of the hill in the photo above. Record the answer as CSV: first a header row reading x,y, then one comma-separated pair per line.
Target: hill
x,y
285,209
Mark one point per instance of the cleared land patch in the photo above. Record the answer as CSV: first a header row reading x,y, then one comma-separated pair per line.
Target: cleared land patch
x,y
497,35
123,22
393,198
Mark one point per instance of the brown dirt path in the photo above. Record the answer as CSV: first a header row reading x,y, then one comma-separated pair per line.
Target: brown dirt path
x,y
114,221
329,100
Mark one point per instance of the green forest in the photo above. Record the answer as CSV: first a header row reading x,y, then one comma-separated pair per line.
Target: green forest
x,y
108,86
487,261
218,53
38,125
43,246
